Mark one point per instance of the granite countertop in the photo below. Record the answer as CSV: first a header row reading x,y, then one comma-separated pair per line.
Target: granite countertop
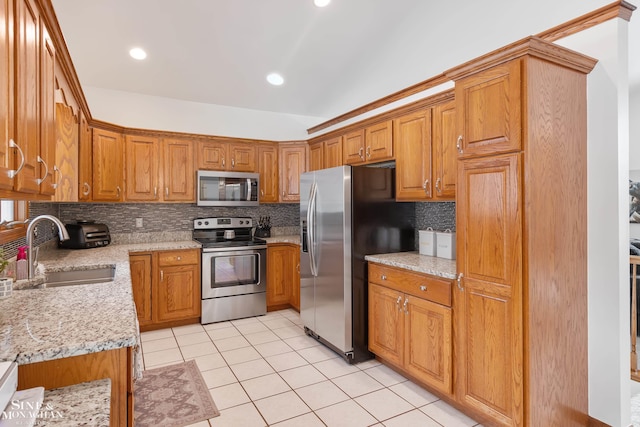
x,y
77,405
291,238
413,261
46,324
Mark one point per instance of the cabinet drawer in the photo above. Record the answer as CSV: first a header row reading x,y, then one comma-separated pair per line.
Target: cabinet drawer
x,y
178,257
431,288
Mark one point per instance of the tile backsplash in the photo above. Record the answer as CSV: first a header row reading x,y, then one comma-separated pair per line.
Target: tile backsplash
x,y
437,215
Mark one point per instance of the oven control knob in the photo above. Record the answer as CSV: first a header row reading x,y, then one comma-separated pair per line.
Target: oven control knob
x,y
241,222
206,223
199,222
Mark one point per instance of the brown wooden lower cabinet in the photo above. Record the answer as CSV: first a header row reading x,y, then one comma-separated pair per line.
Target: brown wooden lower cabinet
x,y
283,276
166,287
413,333
114,364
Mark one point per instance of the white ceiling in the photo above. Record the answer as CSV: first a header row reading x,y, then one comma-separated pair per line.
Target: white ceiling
x,y
333,59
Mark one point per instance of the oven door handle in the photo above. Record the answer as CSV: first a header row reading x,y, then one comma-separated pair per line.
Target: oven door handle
x,y
311,225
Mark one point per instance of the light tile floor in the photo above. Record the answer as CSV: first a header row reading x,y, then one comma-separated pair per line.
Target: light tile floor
x,y
264,371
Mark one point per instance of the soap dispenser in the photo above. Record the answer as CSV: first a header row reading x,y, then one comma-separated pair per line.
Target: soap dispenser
x,y
21,263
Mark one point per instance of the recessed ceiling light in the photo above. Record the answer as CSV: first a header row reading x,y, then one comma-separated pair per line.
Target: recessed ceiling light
x,y
275,79
321,3
138,53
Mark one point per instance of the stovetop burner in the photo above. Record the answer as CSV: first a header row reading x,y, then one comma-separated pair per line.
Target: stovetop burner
x,y
210,232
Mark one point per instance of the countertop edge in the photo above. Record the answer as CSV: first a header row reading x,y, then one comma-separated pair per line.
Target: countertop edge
x,y
413,261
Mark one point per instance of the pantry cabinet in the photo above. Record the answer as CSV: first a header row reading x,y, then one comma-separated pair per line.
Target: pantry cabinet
x,y
283,276
229,156
410,324
108,166
268,170
293,163
166,287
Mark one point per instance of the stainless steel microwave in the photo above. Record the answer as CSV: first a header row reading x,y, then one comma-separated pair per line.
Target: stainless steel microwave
x,y
227,188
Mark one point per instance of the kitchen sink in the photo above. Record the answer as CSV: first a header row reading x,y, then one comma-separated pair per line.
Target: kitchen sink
x,y
56,279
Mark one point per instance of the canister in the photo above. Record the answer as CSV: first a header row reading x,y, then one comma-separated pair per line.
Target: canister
x,y
446,244
427,242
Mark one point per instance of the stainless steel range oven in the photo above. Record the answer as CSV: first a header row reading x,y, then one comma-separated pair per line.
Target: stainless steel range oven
x,y
234,267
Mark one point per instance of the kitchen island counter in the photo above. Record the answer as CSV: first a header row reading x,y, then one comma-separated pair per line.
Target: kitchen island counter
x,y
413,261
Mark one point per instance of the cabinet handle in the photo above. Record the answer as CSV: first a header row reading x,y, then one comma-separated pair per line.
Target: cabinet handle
x,y
57,184
13,173
283,194
360,153
383,277
155,192
166,191
233,163
459,144
118,191
438,189
223,162
86,189
404,306
423,288
459,280
179,258
425,187
398,302
369,152
46,170
162,275
262,193
298,268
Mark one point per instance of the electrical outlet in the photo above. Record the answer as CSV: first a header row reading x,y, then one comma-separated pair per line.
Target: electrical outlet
x,y
138,222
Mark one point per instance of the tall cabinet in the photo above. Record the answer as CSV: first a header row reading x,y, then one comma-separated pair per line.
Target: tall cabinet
x,y
520,304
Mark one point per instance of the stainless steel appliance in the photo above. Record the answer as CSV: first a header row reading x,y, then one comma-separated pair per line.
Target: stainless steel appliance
x,y
234,267
346,213
85,234
227,188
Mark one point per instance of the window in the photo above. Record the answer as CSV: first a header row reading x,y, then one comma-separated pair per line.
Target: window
x,y
12,210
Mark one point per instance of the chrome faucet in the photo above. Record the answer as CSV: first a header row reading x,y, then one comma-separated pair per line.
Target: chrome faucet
x,y
62,233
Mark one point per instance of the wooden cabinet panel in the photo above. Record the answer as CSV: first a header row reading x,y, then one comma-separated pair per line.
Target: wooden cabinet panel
x,y
243,157
332,156
489,310
176,295
212,155
412,136
108,163
386,323
379,142
423,286
280,270
142,168
488,106
48,167
178,173
169,258
293,162
444,150
268,169
141,278
428,343
27,77
85,160
66,154
353,147
6,84
316,156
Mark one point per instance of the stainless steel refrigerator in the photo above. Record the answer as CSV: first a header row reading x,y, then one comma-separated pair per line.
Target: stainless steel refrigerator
x,y
346,213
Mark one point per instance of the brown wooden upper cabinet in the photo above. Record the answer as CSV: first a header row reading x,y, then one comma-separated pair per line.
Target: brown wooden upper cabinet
x,y
325,154
425,146
293,162
489,111
316,156
268,169
353,147
6,83
177,173
49,170
85,154
142,158
229,156
370,145
108,166
66,154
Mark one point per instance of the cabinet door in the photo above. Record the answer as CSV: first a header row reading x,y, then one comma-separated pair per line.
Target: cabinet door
x,y
66,154
332,153
488,106
268,169
353,147
108,163
142,159
140,265
178,173
85,155
379,142
412,135
243,157
428,343
279,275
293,162
444,150
294,253
386,323
47,174
489,334
27,125
212,155
6,63
177,296
316,154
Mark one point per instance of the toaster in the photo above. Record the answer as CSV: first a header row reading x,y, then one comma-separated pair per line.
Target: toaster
x,y
85,235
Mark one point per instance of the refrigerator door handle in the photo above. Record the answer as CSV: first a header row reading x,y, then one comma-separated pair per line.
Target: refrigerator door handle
x,y
311,225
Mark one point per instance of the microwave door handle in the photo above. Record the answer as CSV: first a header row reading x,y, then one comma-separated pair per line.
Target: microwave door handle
x,y
248,189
